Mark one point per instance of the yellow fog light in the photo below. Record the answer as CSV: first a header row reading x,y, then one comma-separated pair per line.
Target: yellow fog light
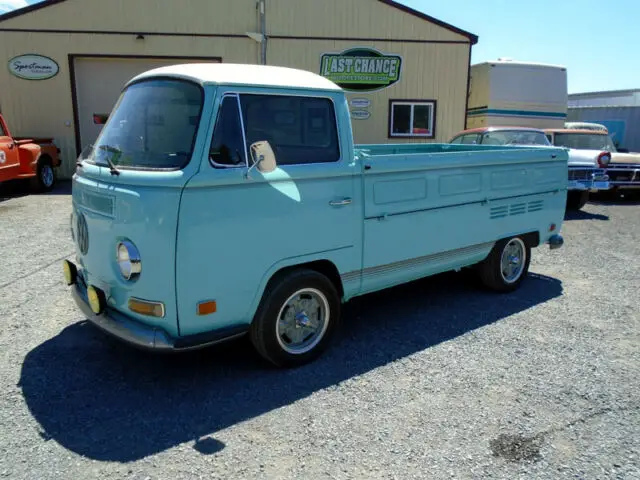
x,y
96,300
145,307
70,272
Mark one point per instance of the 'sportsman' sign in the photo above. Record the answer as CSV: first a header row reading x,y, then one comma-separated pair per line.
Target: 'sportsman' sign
x,y
361,69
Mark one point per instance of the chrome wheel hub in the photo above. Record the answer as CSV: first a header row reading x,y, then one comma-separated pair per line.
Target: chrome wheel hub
x,y
513,260
47,175
302,321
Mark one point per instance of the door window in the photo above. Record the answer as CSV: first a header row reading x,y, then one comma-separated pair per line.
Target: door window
x,y
227,146
301,130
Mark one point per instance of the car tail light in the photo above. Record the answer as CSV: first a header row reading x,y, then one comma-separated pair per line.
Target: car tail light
x,y
603,159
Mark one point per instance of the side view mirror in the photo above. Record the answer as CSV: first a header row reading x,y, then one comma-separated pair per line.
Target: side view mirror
x,y
623,150
263,157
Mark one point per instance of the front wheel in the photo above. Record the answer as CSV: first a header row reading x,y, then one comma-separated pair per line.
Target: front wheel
x,y
507,265
296,319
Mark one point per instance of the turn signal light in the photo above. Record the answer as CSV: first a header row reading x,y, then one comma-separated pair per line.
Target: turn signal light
x,y
207,308
147,308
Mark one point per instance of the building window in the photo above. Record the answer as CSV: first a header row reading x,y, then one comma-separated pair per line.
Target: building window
x,y
412,118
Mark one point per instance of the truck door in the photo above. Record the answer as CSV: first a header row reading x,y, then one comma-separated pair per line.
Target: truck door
x,y
9,159
234,231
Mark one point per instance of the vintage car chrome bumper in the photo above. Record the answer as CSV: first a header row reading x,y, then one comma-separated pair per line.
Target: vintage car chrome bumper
x,y
623,176
588,179
144,336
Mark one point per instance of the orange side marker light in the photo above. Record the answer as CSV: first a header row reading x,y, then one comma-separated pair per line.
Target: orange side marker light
x,y
207,308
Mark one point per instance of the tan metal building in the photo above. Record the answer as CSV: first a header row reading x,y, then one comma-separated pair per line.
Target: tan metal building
x,y
66,60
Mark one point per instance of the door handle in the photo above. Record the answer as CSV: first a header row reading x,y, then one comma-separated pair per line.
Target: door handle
x,y
339,203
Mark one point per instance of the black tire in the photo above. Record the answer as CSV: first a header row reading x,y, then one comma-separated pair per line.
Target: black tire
x,y
577,199
45,178
264,328
631,194
609,195
490,269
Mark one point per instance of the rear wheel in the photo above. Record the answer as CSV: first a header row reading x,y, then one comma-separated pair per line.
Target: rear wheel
x,y
507,265
577,199
45,176
296,319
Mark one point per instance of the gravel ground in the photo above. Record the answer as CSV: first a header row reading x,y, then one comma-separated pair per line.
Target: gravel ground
x,y
435,379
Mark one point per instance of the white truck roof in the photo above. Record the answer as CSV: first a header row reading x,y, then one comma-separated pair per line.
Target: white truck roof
x,y
242,74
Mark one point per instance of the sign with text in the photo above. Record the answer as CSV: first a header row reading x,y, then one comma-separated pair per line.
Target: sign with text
x,y
361,69
33,67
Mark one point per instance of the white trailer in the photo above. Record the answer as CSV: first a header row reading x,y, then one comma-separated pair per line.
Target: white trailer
x,y
509,93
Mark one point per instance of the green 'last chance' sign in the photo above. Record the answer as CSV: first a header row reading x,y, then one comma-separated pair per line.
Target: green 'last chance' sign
x,y
361,69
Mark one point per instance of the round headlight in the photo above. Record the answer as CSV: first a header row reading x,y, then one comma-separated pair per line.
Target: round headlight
x,y
128,258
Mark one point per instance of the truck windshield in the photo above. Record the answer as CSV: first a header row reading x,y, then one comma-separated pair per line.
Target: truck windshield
x,y
153,126
515,137
585,141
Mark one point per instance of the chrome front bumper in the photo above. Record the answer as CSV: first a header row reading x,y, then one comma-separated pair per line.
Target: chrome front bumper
x,y
144,336
624,177
588,179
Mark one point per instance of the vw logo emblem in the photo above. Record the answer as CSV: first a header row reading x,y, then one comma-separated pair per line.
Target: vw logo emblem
x,y
83,234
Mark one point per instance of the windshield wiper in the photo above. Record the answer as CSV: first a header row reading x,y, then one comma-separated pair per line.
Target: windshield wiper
x,y
112,167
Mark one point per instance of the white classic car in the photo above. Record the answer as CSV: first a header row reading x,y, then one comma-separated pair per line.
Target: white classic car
x,y
623,168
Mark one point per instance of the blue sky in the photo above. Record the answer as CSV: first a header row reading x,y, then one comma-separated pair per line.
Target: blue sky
x,y
596,40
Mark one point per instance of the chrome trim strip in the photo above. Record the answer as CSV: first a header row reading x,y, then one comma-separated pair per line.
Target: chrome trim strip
x,y
350,276
424,260
483,201
415,262
244,133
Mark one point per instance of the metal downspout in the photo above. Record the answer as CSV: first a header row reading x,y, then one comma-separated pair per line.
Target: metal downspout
x,y
263,30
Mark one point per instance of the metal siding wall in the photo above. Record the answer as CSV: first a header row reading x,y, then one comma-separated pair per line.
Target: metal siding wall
x,y
479,87
350,18
623,122
41,108
187,16
429,72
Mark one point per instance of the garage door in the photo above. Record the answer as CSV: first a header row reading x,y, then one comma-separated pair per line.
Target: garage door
x,y
98,83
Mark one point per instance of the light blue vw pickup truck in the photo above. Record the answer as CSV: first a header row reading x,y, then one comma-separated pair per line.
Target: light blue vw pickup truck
x,y
223,200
